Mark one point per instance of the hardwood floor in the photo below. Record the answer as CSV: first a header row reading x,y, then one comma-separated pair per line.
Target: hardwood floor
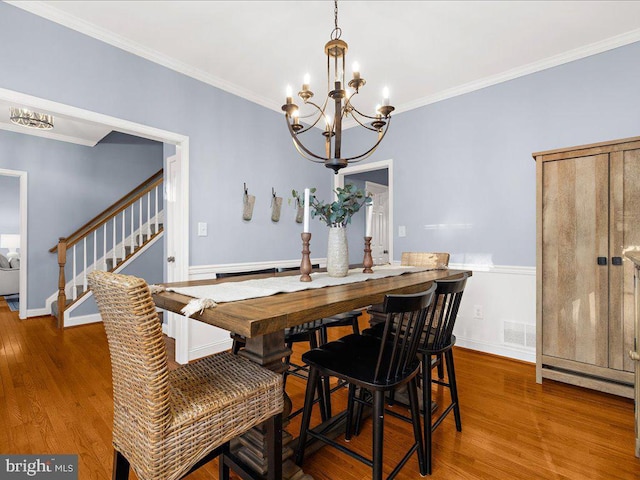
x,y
55,397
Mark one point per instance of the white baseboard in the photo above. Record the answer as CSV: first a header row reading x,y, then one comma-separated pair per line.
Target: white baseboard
x,y
38,312
209,349
501,350
82,320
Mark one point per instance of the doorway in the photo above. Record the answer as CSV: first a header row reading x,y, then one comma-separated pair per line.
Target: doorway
x,y
380,218
173,226
380,173
20,226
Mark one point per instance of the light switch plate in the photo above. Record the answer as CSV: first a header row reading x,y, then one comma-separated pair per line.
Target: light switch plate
x,y
202,229
402,231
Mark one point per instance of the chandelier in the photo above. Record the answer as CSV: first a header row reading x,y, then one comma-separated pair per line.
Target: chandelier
x,y
27,118
341,99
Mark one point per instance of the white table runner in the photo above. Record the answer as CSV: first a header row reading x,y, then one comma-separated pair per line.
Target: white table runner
x,y
207,296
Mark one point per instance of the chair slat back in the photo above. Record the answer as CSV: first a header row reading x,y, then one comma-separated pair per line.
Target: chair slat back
x,y
138,353
442,317
404,324
425,259
246,272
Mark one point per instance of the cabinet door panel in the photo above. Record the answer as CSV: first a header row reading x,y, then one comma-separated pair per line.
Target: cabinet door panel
x,y
624,228
575,232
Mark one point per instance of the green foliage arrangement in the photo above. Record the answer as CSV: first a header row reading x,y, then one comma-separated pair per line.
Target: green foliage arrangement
x,y
338,213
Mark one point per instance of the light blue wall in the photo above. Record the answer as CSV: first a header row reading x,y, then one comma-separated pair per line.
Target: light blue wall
x,y
465,163
68,185
232,141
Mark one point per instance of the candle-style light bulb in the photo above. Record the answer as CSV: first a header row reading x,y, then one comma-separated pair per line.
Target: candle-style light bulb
x,y
356,70
296,117
385,96
305,82
378,114
289,94
338,82
328,119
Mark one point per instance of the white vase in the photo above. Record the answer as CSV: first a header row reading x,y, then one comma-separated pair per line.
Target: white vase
x,y
337,252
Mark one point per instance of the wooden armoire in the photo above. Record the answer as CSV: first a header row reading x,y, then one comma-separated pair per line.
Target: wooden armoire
x,y
588,216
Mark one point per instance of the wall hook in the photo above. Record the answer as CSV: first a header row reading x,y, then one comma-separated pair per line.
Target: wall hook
x,y
276,205
248,202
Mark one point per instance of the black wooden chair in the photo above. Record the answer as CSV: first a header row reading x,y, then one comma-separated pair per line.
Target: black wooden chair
x,y
346,319
439,260
378,365
314,333
437,341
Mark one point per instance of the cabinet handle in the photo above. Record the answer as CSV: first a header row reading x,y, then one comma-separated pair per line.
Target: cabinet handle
x,y
602,260
616,260
634,355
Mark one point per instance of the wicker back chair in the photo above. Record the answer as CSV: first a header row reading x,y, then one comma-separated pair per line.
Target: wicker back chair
x,y
168,423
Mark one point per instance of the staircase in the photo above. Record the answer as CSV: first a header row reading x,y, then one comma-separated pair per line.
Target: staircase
x,y
108,242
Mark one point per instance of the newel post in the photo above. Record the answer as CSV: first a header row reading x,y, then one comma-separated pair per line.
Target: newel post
x,y
62,297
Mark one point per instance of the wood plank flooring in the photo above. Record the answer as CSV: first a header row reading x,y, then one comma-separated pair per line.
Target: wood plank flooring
x,y
55,397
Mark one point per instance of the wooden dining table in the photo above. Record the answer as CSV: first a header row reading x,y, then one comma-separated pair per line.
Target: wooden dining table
x,y
262,322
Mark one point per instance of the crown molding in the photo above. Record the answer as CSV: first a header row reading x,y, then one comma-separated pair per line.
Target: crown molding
x,y
550,62
51,13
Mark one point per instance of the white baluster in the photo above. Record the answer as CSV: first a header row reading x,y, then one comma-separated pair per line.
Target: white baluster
x,y
156,193
113,245
74,293
95,249
104,246
124,252
84,272
140,220
133,246
149,214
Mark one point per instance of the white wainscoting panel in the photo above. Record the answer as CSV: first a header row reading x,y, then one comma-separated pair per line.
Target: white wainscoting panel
x,y
506,297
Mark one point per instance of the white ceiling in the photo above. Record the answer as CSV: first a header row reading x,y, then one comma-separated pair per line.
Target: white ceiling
x,y
424,51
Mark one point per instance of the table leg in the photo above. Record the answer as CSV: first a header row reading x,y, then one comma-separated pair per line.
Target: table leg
x,y
268,351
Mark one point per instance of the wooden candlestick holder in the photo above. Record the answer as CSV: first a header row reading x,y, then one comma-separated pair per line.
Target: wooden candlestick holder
x,y
367,261
305,265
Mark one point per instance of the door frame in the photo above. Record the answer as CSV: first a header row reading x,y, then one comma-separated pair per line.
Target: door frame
x,y
375,188
22,202
338,181
131,128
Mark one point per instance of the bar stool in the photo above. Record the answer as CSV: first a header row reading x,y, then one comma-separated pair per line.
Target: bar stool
x,y
436,340
378,365
167,423
415,259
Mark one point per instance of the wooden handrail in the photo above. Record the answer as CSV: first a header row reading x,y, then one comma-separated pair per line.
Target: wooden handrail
x,y
111,211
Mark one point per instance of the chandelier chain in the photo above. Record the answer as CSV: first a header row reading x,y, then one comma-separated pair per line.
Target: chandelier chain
x,y
337,31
